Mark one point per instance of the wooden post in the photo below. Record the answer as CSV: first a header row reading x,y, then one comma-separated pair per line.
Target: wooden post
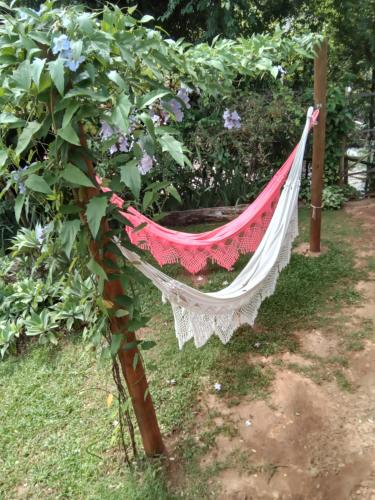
x,y
135,377
320,94
130,359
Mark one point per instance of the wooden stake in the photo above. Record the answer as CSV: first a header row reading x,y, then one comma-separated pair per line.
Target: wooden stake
x,y
130,359
320,95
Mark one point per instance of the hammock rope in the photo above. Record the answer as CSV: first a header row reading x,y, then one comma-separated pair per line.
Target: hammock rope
x,y
223,245
199,315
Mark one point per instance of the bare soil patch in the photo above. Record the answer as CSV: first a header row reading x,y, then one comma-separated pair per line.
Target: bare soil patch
x,y
307,440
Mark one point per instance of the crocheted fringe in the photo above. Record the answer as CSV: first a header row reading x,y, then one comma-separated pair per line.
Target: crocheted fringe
x,y
201,326
194,259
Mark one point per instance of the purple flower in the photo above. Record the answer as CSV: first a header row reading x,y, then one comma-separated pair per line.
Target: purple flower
x,y
74,64
145,164
106,131
158,116
156,120
175,107
41,232
123,144
183,94
61,43
62,46
161,118
231,119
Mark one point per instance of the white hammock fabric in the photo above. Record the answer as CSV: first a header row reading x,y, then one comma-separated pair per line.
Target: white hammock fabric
x,y
199,315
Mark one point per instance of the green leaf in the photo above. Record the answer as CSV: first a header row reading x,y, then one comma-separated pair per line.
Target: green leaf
x,y
26,136
145,117
10,119
120,313
3,157
86,92
56,69
97,269
146,19
117,79
36,70
120,113
131,177
86,23
173,191
22,75
135,361
116,340
136,323
147,344
147,199
69,112
124,301
148,99
69,134
131,345
76,49
38,184
18,204
68,235
95,211
173,147
74,175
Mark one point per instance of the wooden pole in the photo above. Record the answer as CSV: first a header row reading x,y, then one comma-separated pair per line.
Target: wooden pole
x,y
320,95
135,377
130,359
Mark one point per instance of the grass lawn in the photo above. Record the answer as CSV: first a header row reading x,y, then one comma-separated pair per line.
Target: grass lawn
x,y
59,437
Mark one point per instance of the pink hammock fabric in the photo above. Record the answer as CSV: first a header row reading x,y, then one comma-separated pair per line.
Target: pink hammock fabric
x,y
223,245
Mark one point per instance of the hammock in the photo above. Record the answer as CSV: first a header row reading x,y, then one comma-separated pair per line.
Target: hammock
x,y
223,245
200,315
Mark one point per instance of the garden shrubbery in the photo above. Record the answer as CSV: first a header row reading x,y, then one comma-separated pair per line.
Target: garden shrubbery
x,y
41,295
231,166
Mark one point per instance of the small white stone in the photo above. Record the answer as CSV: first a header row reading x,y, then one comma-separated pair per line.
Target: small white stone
x,y
248,423
217,386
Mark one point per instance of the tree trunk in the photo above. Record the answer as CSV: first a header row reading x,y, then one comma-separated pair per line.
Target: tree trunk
x,y
200,215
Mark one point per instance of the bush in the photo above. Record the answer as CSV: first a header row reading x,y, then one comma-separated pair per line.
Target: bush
x,y
39,298
333,196
232,166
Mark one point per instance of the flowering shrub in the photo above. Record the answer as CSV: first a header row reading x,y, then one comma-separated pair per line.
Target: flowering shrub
x,y
86,93
233,158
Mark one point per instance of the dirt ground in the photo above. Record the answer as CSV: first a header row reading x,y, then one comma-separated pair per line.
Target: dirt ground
x,y
308,441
